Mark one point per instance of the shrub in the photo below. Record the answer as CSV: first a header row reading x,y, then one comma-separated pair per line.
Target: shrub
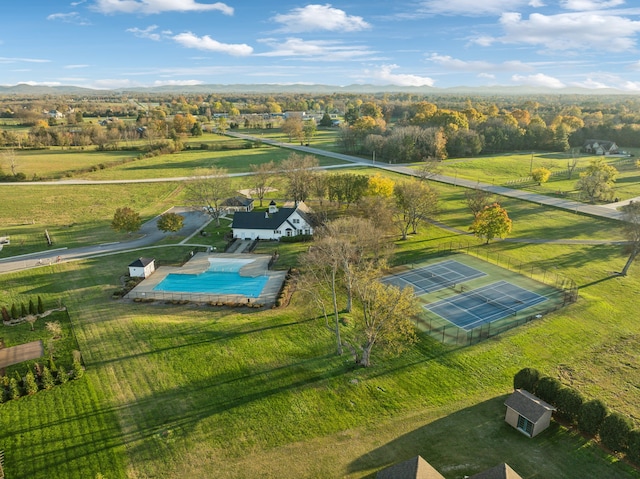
x,y
547,389
5,314
40,306
14,311
568,402
47,378
32,307
14,389
526,379
633,446
62,376
30,385
614,431
23,310
591,415
78,370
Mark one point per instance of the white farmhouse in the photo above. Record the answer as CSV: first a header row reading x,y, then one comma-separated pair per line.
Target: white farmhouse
x,y
271,224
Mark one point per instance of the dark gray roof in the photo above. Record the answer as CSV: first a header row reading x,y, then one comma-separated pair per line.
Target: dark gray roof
x,y
142,262
261,220
527,405
414,468
501,471
237,201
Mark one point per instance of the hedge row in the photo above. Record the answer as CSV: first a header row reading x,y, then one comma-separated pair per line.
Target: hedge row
x,y
614,430
21,310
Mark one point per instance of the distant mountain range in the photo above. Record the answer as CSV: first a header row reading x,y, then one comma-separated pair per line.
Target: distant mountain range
x,y
25,89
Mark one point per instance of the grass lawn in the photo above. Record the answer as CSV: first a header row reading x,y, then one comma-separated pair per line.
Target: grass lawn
x,y
75,215
186,390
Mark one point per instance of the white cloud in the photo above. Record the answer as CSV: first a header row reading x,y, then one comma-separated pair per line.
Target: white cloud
x,y
571,31
73,67
477,66
490,76
72,17
206,43
41,83
158,6
472,8
631,86
586,5
591,84
539,79
177,82
318,18
22,60
146,32
385,74
319,50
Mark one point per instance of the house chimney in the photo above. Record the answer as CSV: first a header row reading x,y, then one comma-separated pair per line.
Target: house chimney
x,y
273,209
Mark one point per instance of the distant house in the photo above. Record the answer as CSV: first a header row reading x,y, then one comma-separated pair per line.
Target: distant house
x,y
271,224
55,114
142,268
600,147
527,413
237,203
418,468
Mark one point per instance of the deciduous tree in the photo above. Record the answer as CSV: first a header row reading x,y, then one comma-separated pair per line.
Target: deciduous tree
x,y
540,175
170,222
597,180
382,318
631,229
415,201
262,178
298,170
208,190
493,221
478,200
126,220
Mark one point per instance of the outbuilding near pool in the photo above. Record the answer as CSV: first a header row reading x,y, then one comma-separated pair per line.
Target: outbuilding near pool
x,y
142,267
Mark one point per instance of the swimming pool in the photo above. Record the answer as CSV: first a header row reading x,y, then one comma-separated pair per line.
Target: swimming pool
x,y
222,277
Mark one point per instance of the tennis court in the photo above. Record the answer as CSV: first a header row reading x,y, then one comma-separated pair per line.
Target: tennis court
x,y
434,277
486,304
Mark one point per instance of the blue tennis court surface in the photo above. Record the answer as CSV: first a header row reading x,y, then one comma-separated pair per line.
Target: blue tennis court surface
x,y
434,277
484,305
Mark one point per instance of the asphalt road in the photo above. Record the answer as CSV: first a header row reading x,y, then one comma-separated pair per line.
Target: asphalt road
x,y
193,221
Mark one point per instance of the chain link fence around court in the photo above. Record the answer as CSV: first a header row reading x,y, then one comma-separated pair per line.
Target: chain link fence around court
x,y
564,292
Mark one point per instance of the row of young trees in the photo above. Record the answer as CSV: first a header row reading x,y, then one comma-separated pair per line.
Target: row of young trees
x,y
592,418
16,311
44,378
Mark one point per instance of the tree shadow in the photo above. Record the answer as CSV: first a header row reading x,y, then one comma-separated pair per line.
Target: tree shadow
x,y
477,438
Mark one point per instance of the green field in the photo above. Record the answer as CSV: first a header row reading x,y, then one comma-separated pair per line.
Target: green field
x,y
185,390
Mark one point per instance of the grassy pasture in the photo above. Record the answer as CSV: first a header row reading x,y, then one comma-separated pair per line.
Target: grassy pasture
x,y
75,215
188,389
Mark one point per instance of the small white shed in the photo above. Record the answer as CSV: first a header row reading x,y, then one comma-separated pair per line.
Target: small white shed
x,y
142,267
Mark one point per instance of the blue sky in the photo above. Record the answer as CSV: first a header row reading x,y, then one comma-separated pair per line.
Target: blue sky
x,y
440,43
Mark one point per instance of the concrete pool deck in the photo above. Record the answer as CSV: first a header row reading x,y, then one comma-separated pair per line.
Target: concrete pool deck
x,y
259,266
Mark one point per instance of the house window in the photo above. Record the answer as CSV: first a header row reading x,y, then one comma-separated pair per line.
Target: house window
x,y
525,425
295,221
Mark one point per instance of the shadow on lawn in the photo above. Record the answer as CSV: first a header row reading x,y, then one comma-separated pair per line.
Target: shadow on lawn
x,y
477,438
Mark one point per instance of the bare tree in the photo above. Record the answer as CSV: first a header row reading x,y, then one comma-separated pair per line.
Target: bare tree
x,y
209,190
299,173
263,176
383,318
631,229
477,200
415,201
9,156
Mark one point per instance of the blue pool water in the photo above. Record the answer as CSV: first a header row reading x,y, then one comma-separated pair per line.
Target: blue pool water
x,y
222,278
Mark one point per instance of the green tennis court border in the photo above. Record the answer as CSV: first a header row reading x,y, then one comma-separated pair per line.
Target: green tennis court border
x,y
559,292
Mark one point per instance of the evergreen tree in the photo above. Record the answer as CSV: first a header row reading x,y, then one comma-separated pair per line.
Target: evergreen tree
x,y
47,378
40,306
78,370
14,389
23,310
14,311
30,385
62,376
32,307
5,314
